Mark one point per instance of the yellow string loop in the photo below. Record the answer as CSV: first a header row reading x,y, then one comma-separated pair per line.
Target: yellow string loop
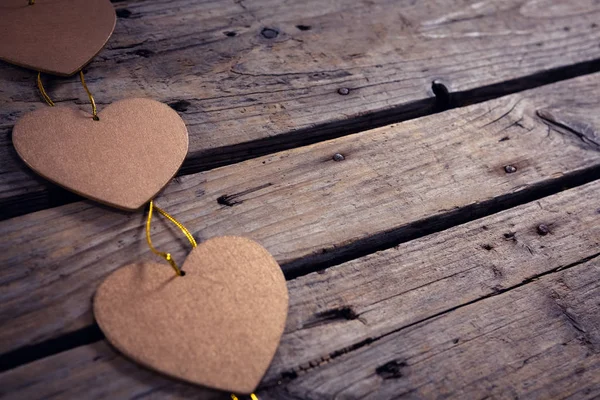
x,y
167,256
252,396
43,91
51,103
94,110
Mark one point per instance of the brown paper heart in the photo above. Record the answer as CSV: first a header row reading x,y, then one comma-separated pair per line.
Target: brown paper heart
x,y
218,326
55,36
122,160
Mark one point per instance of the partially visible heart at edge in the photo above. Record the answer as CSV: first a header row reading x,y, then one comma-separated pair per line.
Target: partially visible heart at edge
x,y
55,36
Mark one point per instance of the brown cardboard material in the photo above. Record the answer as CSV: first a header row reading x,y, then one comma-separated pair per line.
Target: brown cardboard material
x,y
122,160
218,326
55,36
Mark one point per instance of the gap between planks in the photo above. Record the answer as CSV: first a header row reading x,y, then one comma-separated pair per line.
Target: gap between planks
x,y
313,209
540,339
54,196
247,95
487,295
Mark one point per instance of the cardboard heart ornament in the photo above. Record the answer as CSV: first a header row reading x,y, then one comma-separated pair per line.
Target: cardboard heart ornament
x,y
55,36
122,160
218,326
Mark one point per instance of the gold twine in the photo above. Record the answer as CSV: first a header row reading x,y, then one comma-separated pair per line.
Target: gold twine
x,y
252,396
167,256
51,103
43,91
94,110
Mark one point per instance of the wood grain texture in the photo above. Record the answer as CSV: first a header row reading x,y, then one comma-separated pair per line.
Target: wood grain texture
x,y
299,204
92,371
367,298
540,340
451,313
252,76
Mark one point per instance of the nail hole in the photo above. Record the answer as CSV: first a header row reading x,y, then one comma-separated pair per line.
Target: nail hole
x,y
269,33
391,370
230,34
182,273
95,118
143,53
303,27
123,13
180,105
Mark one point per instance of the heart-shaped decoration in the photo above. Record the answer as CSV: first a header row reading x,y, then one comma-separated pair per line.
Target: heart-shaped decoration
x,y
55,36
218,326
122,160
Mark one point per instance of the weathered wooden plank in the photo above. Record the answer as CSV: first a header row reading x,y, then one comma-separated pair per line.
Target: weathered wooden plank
x,y
302,205
374,295
433,296
91,371
250,77
541,340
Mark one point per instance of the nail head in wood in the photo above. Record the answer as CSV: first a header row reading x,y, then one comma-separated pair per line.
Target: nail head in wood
x,y
543,229
509,169
338,157
344,91
269,33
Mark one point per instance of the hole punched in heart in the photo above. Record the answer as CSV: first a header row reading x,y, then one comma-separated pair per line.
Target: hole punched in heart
x,y
49,101
167,256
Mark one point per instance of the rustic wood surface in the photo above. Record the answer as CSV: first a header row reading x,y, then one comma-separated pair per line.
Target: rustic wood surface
x,y
427,173
301,204
255,77
541,340
494,306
